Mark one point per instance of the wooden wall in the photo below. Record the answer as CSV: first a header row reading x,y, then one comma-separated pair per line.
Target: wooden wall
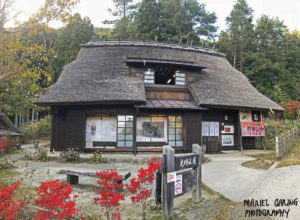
x,y
170,92
69,123
193,129
213,144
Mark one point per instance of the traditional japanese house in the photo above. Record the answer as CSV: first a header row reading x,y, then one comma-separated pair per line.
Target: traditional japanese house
x,y
7,127
139,96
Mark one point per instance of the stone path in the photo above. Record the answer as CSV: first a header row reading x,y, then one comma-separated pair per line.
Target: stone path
x,y
226,175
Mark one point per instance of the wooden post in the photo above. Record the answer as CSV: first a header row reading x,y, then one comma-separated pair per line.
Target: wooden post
x,y
168,188
134,136
197,184
277,147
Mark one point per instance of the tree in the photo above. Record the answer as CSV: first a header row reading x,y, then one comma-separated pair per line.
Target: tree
x,y
240,29
177,20
67,44
147,20
23,64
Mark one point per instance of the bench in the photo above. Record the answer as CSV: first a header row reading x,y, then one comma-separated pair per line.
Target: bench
x,y
73,175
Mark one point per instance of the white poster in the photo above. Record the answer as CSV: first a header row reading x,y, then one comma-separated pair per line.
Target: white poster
x,y
210,128
227,140
216,128
101,129
205,128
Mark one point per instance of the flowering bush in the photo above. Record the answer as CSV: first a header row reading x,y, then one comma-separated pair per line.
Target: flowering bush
x,y
7,143
110,197
8,207
55,197
139,187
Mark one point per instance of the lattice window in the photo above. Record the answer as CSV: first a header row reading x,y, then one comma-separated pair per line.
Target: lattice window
x,y
125,131
175,131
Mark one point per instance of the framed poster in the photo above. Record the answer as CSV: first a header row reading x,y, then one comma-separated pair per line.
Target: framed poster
x,y
152,129
228,129
227,140
103,128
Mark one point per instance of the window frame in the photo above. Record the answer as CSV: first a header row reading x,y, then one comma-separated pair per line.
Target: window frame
x,y
179,78
254,113
147,75
176,122
126,126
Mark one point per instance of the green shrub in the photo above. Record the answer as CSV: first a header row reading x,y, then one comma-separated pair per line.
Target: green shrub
x,y
97,158
36,130
40,154
5,165
71,155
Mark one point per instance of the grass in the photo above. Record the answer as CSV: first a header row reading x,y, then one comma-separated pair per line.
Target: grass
x,y
292,158
12,152
263,160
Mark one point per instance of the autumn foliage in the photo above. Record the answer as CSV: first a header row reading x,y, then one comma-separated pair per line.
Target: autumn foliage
x,y
55,198
110,196
8,207
140,187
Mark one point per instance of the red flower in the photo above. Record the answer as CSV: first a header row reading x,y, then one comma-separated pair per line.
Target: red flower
x,y
109,196
9,208
55,197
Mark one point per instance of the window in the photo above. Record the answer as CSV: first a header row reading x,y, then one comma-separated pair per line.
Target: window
x,y
180,78
149,76
125,131
255,116
152,129
175,131
101,129
164,75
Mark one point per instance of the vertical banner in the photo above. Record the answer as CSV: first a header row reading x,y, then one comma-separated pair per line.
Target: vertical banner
x,y
216,128
205,128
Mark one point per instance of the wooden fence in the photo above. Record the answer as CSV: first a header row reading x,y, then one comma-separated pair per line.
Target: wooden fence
x,y
286,141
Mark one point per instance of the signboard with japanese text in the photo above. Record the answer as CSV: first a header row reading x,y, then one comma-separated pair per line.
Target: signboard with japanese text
x,y
252,129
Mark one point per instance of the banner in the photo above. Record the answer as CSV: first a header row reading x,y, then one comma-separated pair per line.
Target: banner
x,y
252,129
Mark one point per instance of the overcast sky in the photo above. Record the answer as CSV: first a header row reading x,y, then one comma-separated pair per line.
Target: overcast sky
x,y
96,10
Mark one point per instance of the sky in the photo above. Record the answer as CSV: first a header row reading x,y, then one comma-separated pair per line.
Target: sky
x,y
97,10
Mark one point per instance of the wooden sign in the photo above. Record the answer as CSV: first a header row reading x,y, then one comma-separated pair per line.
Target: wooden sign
x,y
185,161
187,180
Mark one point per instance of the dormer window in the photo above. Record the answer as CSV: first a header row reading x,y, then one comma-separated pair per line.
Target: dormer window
x,y
164,76
149,76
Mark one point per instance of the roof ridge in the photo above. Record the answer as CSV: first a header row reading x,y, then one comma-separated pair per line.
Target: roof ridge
x,y
195,48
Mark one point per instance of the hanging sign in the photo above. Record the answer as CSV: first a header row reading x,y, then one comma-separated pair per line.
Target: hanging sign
x,y
253,129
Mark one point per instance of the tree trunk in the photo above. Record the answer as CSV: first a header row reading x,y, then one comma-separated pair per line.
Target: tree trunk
x,y
241,62
144,210
234,57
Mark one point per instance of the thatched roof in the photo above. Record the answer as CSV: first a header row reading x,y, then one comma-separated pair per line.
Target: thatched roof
x,y
6,126
100,75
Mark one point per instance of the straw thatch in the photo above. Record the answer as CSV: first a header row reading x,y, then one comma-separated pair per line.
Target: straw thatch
x,y
100,75
7,127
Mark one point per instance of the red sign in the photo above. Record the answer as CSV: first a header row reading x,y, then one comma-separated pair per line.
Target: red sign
x,y
252,129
